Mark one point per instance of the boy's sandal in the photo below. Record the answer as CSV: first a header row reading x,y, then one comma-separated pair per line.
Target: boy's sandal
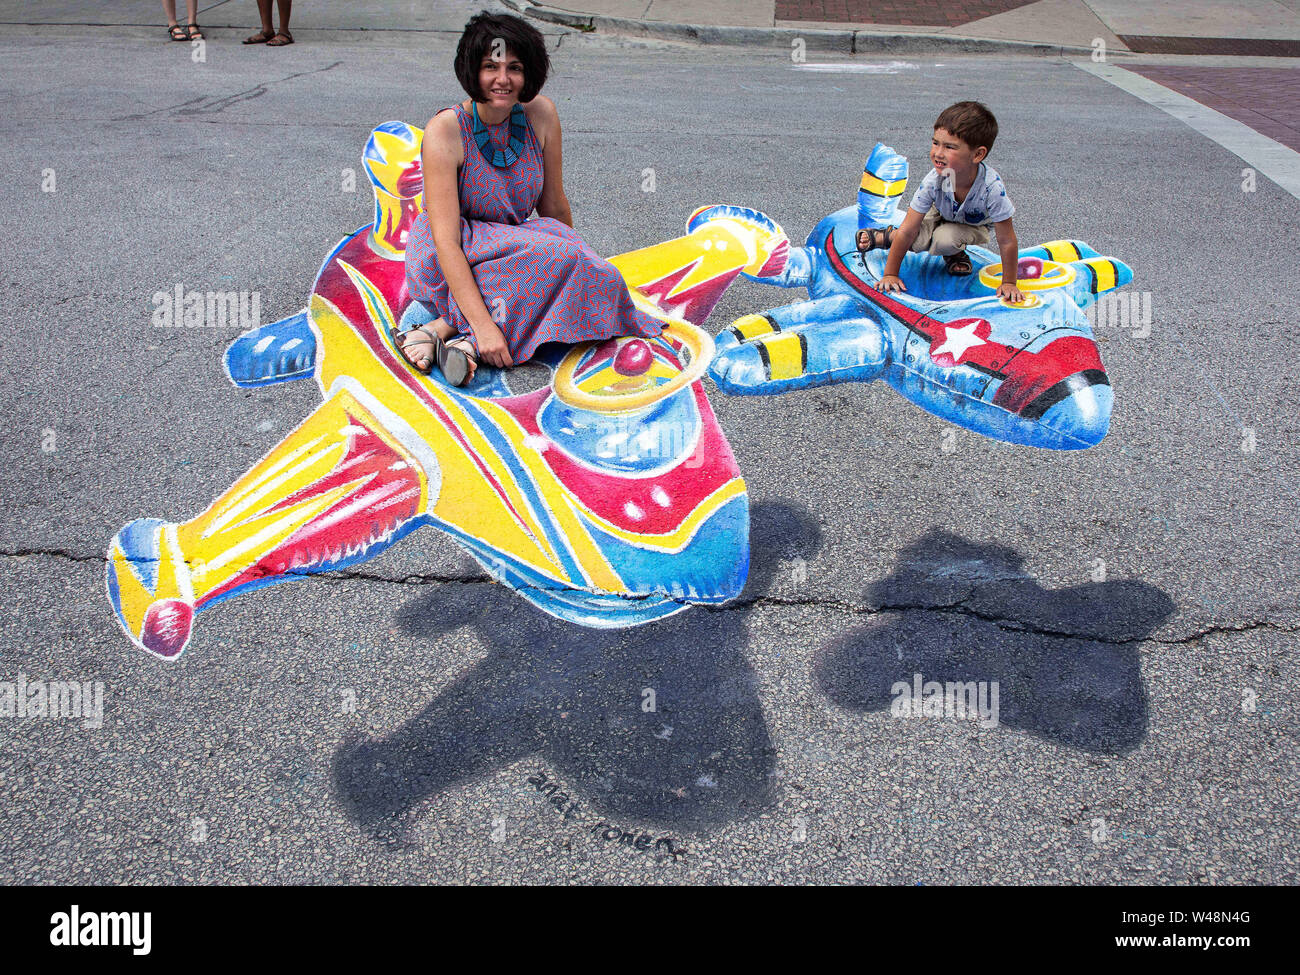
x,y
193,33
280,39
177,33
958,264
878,237
261,37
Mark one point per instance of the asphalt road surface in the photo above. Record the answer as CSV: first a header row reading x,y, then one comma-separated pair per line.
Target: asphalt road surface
x,y
405,722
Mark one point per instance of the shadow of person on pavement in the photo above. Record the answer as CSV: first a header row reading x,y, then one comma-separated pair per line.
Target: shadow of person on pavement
x,y
1065,660
577,698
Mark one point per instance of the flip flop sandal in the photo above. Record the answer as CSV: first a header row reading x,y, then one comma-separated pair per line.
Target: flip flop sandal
x,y
193,32
281,39
958,264
261,37
177,33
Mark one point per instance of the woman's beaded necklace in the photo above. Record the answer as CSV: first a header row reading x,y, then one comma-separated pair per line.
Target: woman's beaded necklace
x,y
501,158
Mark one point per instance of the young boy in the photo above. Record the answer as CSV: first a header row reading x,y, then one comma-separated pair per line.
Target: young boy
x,y
957,201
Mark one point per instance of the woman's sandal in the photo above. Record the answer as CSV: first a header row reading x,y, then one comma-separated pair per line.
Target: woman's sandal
x,y
878,237
958,264
177,33
459,356
193,32
280,39
453,361
261,37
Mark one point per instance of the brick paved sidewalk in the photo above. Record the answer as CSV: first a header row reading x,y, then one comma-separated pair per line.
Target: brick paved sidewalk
x,y
953,14
1266,99
904,13
1224,46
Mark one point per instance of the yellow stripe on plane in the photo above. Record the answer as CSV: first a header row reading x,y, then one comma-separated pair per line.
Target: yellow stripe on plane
x,y
785,355
1104,273
752,326
1062,251
876,185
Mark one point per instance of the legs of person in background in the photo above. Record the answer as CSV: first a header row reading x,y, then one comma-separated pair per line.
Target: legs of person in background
x,y
268,35
177,32
282,36
268,28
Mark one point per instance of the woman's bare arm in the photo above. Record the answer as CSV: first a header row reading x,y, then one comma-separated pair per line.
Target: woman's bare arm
x,y
441,156
546,125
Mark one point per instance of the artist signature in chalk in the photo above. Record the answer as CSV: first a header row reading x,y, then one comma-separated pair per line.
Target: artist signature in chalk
x,y
570,808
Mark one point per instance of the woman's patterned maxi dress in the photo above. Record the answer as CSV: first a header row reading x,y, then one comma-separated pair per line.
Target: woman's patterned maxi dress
x,y
540,282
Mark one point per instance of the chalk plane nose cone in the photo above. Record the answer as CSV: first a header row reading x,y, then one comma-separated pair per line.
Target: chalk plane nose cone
x,y
1082,418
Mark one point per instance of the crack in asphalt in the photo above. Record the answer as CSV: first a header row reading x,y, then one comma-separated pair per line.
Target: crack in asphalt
x,y
957,608
203,106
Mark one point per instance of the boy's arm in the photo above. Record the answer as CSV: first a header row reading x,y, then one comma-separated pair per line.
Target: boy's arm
x,y
904,237
1009,248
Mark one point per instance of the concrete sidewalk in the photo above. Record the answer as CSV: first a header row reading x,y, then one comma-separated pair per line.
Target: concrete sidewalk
x,y
1255,28
1241,28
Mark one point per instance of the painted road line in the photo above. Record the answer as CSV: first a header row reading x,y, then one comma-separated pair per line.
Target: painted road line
x,y
1279,163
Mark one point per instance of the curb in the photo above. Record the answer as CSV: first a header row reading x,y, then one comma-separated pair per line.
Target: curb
x,y
836,41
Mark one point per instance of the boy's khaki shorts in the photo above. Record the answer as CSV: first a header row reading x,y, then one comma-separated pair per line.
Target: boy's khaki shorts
x,y
939,236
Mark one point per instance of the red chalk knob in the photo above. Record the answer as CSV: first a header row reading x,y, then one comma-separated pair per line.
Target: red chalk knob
x,y
633,359
1029,267
167,625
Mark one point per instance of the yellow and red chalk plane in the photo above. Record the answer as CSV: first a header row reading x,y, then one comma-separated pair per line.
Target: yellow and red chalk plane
x,y
608,498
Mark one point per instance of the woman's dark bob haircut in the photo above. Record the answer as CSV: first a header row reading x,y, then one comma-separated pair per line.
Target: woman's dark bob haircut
x,y
519,36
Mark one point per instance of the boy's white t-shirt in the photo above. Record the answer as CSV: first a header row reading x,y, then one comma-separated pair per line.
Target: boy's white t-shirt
x,y
987,202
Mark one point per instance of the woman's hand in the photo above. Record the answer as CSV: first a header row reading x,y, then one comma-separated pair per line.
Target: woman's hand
x,y
492,347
